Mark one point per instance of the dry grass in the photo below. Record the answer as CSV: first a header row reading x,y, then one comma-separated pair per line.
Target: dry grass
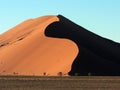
x,y
59,83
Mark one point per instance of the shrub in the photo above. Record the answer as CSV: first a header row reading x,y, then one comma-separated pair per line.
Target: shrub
x,y
60,73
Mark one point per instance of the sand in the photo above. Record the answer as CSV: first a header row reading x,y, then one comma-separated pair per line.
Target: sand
x,y
25,50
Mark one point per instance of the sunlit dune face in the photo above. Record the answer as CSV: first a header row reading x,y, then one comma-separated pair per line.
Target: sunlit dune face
x,y
25,50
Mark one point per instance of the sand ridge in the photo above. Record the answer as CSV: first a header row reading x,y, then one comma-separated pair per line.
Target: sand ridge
x,y
25,50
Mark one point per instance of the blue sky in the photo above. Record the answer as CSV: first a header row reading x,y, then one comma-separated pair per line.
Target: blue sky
x,y
99,16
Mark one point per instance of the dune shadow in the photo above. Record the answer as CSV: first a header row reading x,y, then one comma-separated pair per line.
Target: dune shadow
x,y
97,55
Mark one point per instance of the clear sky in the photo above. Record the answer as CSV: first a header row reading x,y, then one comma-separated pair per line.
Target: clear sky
x,y
99,16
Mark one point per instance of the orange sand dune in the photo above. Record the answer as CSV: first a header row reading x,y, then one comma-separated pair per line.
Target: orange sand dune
x,y
25,50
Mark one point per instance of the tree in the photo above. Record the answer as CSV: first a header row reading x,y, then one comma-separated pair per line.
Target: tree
x,y
89,74
44,74
60,73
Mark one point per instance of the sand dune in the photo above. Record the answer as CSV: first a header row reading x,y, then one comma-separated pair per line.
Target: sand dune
x,y
25,50
53,44
97,55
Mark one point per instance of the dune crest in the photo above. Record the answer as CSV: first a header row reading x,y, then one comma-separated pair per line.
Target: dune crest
x,y
25,50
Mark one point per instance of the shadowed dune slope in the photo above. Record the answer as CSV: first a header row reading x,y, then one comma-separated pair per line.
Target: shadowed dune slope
x,y
97,55
25,50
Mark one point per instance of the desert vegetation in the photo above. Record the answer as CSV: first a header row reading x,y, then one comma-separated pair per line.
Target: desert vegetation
x,y
17,82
